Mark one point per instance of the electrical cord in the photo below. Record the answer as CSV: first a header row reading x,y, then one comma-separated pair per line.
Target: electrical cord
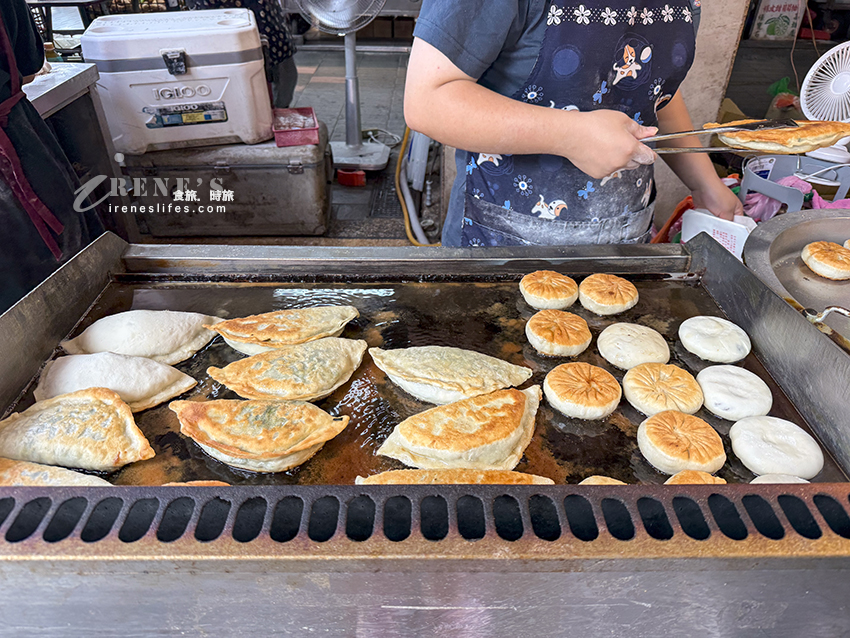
x,y
370,133
408,229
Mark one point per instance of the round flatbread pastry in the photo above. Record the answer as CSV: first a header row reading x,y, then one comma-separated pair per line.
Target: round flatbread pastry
x,y
558,333
607,294
694,477
582,391
768,445
598,479
626,345
547,289
672,442
827,259
777,478
656,387
733,393
714,339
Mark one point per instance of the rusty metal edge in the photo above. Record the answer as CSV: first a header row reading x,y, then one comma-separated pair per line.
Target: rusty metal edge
x,y
562,553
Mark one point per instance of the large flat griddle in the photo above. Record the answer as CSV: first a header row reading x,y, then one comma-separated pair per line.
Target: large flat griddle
x,y
306,552
477,314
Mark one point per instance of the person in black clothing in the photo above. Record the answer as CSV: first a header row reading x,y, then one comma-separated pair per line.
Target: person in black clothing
x,y
272,24
39,227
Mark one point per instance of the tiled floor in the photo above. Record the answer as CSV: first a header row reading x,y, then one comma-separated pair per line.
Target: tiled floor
x,y
359,212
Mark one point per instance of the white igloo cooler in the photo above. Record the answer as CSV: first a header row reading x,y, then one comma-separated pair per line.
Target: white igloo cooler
x,y
177,79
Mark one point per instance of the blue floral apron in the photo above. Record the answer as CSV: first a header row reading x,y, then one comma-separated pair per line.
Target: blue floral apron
x,y
600,55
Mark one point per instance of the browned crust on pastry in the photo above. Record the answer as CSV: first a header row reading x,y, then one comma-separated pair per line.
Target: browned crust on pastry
x,y
694,477
283,327
608,290
663,382
197,484
549,285
829,254
683,436
559,328
584,384
501,421
196,423
454,477
808,136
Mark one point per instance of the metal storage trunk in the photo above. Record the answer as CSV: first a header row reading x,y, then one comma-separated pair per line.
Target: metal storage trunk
x,y
232,190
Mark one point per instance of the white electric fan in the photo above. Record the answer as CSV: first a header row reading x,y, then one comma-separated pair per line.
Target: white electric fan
x,y
345,17
826,96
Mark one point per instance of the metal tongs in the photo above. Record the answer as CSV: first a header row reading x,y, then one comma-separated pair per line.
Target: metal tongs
x,y
750,126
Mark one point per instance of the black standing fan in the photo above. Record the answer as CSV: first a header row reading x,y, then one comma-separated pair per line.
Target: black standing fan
x,y
345,17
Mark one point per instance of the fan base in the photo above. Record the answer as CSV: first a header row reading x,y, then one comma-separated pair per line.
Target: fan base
x,y
368,157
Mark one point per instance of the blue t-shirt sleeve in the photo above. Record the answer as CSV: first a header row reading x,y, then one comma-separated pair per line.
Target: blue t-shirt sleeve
x,y
471,33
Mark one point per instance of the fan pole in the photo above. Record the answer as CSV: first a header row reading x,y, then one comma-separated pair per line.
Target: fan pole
x,y
353,132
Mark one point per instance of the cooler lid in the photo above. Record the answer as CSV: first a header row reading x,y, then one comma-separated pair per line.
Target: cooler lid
x,y
140,36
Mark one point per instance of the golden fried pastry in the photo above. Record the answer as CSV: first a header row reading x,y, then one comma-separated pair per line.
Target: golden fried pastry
x,y
582,391
714,339
23,473
607,294
558,333
440,374
626,345
545,289
162,335
673,441
142,383
487,432
453,477
91,429
806,137
694,477
306,371
598,479
261,333
197,484
655,387
260,436
827,259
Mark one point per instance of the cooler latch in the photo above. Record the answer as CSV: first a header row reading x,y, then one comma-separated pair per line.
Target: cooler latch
x,y
221,168
175,60
295,168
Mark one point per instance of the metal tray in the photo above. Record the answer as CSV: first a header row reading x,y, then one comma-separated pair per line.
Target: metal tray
x,y
773,253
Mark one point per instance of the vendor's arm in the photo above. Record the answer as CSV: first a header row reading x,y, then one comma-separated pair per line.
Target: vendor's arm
x,y
695,169
449,106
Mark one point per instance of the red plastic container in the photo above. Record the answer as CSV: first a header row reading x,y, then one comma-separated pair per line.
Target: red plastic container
x,y
295,127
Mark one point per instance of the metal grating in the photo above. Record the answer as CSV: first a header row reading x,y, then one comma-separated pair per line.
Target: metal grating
x,y
455,521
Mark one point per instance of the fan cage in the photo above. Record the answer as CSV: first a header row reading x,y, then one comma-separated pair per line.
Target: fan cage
x,y
826,89
340,17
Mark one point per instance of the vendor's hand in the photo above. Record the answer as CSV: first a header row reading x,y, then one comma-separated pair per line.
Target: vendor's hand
x,y
605,141
719,200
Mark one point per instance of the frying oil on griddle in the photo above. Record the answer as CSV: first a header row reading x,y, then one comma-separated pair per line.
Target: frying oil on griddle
x,y
485,317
